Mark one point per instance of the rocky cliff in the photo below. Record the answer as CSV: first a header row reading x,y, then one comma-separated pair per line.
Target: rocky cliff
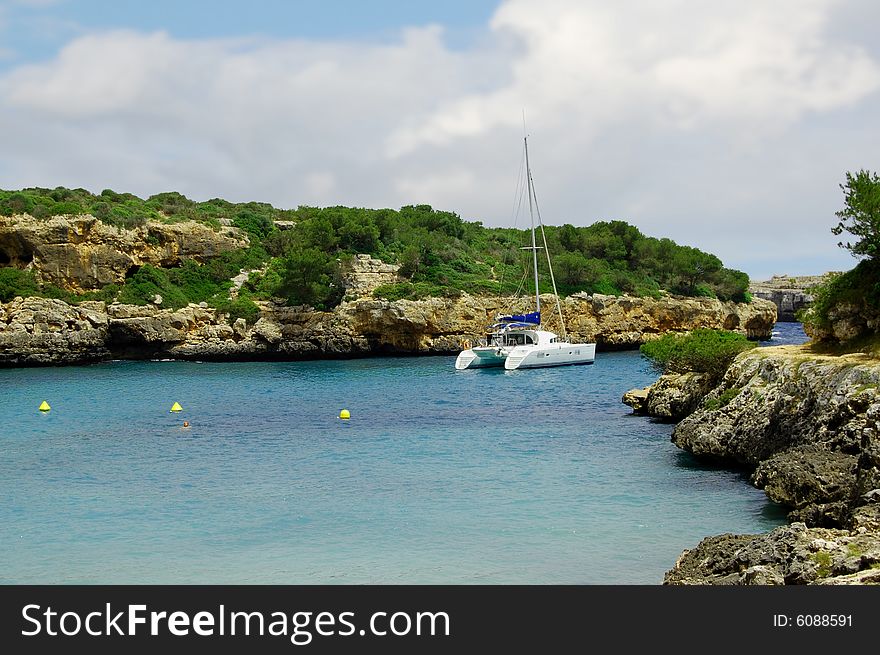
x,y
790,294
848,321
81,253
671,397
791,554
808,426
36,331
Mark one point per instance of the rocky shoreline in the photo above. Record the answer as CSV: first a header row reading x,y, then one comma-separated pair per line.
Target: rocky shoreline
x,y
808,426
39,331
790,294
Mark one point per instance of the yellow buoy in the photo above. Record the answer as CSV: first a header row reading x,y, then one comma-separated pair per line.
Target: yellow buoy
x,y
176,407
44,406
344,414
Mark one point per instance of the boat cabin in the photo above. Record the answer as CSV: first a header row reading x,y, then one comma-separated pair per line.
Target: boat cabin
x,y
506,338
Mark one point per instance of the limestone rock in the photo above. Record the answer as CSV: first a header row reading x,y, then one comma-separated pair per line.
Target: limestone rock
x,y
846,321
637,399
865,519
359,327
239,327
80,253
808,423
40,331
440,324
790,294
807,476
365,273
671,398
792,554
787,397
627,322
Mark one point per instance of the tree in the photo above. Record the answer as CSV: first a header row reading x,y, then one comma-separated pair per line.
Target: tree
x,y
570,238
571,268
694,266
309,277
319,233
861,215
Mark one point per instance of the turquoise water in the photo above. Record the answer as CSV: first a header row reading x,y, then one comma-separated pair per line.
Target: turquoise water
x,y
441,476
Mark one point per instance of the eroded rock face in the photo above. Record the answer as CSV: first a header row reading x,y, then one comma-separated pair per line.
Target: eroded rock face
x,y
791,554
361,327
38,331
847,321
671,398
626,322
439,324
790,294
365,273
818,484
786,397
80,253
808,423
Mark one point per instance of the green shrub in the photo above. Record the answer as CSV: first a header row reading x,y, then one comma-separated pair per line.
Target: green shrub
x,y
15,203
196,281
257,225
859,286
700,351
242,307
148,282
16,282
309,276
414,291
824,563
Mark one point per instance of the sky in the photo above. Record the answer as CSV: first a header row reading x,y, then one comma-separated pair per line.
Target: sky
x,y
725,126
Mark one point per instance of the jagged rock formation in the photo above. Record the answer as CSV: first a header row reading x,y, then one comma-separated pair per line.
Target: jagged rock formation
x,y
81,253
809,426
627,322
786,396
671,398
847,321
355,328
790,294
39,331
366,273
791,554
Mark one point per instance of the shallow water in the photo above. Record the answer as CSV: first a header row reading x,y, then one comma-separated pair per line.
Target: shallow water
x,y
440,476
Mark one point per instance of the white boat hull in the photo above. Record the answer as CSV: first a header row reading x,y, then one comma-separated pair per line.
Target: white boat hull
x,y
481,358
560,354
528,356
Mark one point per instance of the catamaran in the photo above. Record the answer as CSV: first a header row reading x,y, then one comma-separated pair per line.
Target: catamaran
x,y
515,340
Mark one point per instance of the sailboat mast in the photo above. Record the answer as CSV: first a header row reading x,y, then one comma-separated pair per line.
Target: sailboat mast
x,y
532,218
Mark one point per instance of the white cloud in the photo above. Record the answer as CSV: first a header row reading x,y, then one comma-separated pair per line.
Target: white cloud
x,y
700,121
685,64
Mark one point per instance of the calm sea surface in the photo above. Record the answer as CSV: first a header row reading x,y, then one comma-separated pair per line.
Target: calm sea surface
x,y
440,476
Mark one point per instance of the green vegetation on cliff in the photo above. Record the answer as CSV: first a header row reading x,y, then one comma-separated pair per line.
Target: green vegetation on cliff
x,y
700,351
128,211
15,282
853,296
439,253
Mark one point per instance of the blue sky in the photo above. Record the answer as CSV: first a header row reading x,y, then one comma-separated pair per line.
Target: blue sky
x,y
726,126
36,29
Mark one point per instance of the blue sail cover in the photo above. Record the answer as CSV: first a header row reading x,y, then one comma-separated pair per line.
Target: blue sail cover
x,y
533,318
